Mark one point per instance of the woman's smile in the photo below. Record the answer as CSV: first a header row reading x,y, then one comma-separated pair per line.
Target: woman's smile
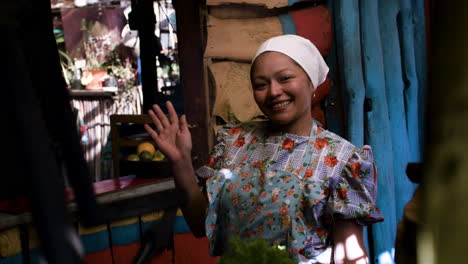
x,y
280,106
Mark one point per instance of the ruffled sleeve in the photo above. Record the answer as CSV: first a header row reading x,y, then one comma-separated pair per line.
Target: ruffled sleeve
x,y
353,193
216,161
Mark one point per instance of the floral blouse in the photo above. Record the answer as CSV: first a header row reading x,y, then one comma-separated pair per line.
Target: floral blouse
x,y
286,188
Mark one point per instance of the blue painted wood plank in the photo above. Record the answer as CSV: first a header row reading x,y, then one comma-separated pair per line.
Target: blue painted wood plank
x,y
378,130
406,29
420,53
347,30
287,23
394,86
333,104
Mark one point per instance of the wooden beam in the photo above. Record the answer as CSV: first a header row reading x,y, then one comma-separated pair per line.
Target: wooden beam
x,y
191,45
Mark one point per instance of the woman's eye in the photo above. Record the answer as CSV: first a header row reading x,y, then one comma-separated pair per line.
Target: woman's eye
x,y
285,78
259,86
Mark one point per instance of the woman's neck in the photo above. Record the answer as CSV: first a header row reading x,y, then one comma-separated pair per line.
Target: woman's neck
x,y
299,127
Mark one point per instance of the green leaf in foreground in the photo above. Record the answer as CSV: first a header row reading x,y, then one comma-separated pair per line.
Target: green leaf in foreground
x,y
255,252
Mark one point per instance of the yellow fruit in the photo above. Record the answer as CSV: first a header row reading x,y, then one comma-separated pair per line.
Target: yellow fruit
x,y
146,146
146,156
133,157
158,156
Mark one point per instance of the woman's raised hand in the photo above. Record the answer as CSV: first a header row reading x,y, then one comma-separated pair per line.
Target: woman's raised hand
x,y
172,135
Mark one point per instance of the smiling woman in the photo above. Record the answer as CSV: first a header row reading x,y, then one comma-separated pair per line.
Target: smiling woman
x,y
286,180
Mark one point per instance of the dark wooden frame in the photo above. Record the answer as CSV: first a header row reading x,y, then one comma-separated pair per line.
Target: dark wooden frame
x,y
191,46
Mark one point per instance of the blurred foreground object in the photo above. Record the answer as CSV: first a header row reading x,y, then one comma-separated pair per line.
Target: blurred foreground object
x,y
445,181
41,130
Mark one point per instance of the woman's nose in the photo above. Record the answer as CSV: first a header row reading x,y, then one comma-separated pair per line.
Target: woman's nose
x,y
275,89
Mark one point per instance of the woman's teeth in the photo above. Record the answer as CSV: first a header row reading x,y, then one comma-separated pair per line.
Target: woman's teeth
x,y
278,105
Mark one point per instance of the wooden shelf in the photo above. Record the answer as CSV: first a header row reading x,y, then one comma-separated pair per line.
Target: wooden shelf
x,y
92,93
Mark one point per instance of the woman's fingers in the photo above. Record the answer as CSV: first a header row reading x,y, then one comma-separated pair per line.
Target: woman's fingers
x,y
156,120
152,133
172,113
183,126
161,116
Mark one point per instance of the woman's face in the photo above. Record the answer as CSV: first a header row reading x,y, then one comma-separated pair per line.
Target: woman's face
x,y
282,89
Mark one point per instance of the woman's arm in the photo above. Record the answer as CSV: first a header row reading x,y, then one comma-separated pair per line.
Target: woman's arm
x,y
174,140
194,209
348,244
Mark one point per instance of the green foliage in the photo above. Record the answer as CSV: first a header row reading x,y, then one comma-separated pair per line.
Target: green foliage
x,y
258,251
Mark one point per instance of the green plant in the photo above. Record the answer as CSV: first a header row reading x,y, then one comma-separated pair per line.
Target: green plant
x,y
258,251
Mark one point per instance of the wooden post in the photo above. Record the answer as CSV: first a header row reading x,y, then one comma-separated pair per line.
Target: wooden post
x,y
394,89
347,30
191,44
411,89
146,25
378,129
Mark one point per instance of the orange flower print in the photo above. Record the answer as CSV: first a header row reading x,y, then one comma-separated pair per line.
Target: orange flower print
x,y
284,210
261,180
316,201
251,217
356,170
235,130
258,208
320,143
274,198
308,173
285,222
247,187
254,139
325,191
275,191
290,192
300,228
245,175
230,187
287,179
271,174
255,198
240,141
331,161
270,221
299,215
342,193
235,201
263,195
212,162
257,164
288,144
241,215
260,229
321,232
368,216
299,170
269,213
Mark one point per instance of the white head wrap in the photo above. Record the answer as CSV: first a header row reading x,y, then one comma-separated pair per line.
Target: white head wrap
x,y
302,51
